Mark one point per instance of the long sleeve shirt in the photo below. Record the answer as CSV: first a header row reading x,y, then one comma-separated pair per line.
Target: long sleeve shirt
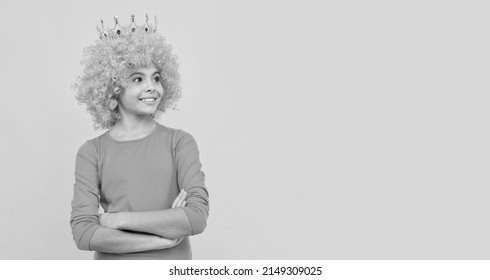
x,y
145,174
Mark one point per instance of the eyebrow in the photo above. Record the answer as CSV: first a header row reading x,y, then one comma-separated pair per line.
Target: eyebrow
x,y
142,74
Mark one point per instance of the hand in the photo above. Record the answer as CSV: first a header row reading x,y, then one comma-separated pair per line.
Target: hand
x,y
108,220
180,200
174,242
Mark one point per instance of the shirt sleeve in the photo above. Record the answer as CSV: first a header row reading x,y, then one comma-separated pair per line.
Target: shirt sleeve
x,y
85,204
191,178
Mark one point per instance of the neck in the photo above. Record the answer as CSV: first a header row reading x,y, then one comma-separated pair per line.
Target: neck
x,y
133,125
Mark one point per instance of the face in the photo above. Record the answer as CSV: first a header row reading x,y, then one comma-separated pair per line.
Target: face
x,y
142,96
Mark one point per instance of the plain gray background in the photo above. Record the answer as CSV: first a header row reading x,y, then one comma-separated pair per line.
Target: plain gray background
x,y
327,129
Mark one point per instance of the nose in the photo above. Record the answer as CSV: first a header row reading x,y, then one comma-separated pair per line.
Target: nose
x,y
150,87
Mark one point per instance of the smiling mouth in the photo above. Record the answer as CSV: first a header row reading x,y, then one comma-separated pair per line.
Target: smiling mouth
x,y
148,100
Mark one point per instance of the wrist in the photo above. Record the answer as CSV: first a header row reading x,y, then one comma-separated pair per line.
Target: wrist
x,y
164,242
169,243
119,220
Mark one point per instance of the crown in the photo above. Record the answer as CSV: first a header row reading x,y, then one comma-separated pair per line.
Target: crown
x,y
119,31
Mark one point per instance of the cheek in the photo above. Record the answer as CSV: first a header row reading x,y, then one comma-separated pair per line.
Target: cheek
x,y
160,87
128,99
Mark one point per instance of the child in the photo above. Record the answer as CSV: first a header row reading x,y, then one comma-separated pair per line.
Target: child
x,y
147,177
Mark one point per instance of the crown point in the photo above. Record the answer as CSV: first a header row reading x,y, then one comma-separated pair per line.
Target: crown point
x,y
119,31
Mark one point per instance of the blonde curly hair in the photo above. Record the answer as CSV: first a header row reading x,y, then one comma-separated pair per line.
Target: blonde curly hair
x,y
107,66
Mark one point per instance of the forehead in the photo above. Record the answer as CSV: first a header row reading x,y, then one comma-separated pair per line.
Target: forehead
x,y
147,70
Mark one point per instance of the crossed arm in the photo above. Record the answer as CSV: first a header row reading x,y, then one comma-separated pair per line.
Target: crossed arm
x,y
170,223
127,232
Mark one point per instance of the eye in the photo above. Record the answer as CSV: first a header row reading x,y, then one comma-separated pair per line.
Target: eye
x,y
137,80
157,79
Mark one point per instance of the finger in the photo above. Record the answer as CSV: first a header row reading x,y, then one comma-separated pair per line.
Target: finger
x,y
178,199
182,199
183,204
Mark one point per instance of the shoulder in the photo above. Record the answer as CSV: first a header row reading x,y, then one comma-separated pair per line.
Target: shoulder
x,y
177,135
91,147
182,142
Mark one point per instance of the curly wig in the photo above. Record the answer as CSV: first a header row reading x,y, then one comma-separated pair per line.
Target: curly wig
x,y
108,63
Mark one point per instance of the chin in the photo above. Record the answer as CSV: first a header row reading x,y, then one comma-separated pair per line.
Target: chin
x,y
144,113
149,112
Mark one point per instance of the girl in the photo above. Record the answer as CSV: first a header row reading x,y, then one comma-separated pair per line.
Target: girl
x,y
147,177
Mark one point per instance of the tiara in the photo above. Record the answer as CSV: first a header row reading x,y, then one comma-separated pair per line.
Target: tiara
x,y
119,31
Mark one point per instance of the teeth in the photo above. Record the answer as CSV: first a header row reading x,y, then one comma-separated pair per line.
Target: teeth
x,y
148,99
